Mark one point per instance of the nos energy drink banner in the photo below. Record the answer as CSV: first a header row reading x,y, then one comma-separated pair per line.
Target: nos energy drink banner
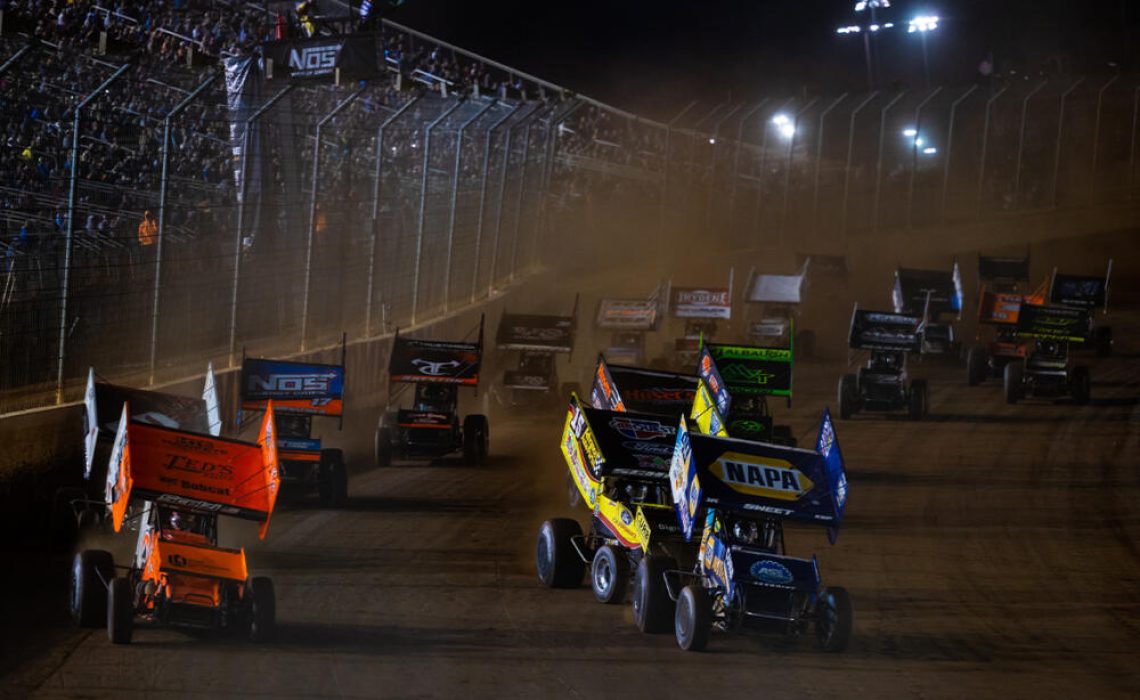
x,y
294,387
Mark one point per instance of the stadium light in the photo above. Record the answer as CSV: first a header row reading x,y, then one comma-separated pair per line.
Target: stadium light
x,y
869,24
930,150
923,24
910,133
784,125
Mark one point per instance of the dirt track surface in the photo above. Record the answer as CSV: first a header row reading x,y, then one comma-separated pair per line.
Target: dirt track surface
x,y
991,551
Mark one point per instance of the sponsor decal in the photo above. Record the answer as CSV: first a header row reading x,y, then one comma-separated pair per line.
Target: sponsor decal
x,y
742,374
761,476
684,484
292,384
434,369
773,572
644,531
649,448
715,560
660,395
626,518
639,429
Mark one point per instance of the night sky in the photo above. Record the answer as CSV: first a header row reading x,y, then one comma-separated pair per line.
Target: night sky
x,y
656,56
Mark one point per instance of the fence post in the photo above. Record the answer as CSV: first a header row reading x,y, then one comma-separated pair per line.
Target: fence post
x,y
483,197
668,159
1021,142
454,200
1096,136
788,164
736,162
985,147
950,147
423,204
162,190
502,192
850,150
714,142
313,211
376,209
1060,134
1132,142
241,215
914,153
879,162
71,227
818,160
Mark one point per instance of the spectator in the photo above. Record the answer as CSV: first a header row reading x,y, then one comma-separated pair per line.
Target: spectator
x,y
148,229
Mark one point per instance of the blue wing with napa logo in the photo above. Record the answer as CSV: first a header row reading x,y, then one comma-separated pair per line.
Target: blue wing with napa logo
x,y
807,486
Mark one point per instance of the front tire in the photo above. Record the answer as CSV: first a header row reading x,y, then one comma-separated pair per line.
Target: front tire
x,y
834,619
476,436
91,571
1081,384
120,612
848,396
693,618
609,574
918,399
1012,378
262,609
333,479
384,447
976,366
652,607
556,560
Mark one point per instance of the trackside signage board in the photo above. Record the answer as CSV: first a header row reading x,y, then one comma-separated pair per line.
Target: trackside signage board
x,y
738,475
1053,323
434,361
698,302
294,387
194,471
535,332
883,330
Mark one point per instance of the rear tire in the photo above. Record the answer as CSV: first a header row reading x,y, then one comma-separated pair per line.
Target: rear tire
x,y
120,612
918,399
383,447
556,559
1013,378
693,619
834,619
475,439
609,574
976,366
848,396
333,479
91,571
262,609
652,607
1080,383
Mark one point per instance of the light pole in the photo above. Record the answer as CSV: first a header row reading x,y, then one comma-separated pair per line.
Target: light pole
x,y
868,24
923,24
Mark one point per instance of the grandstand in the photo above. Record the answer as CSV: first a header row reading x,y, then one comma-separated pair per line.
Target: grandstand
x,y
295,211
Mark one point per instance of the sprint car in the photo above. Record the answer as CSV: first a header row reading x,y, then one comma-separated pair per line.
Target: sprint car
x,y
301,392
699,308
1047,370
176,484
619,462
82,506
539,340
430,429
934,295
883,384
743,492
777,300
629,320
998,310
